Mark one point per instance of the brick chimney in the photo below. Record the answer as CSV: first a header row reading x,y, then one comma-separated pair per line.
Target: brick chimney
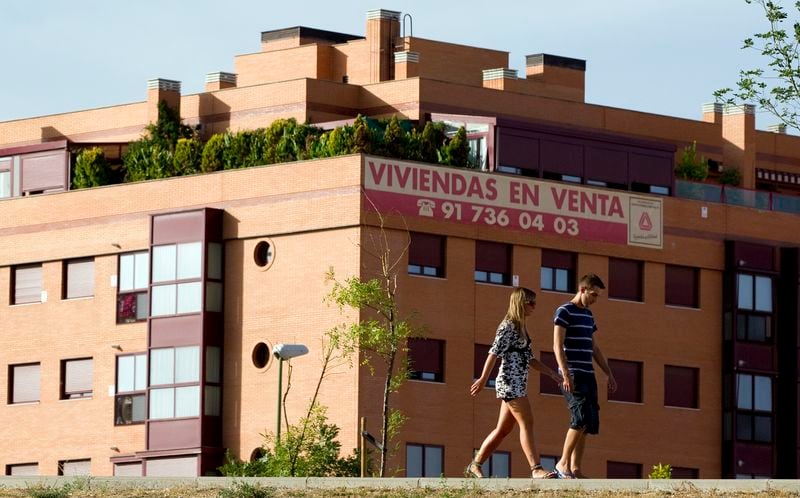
x,y
406,64
220,81
712,112
564,72
161,89
383,27
738,139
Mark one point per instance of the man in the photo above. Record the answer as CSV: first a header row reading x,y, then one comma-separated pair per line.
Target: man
x,y
575,348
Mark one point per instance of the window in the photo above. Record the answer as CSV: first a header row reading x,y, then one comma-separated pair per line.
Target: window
x,y
680,386
754,301
133,279
754,408
177,263
22,469
625,279
23,381
78,278
481,352
497,465
424,460
76,378
426,359
681,284
214,276
546,384
754,293
426,255
492,262
623,470
129,406
27,284
213,389
5,177
75,467
558,271
685,473
629,381
174,368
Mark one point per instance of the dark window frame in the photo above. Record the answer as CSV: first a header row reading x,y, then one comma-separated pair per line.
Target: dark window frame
x,y
427,376
623,465
620,369
120,396
488,467
546,384
14,299
554,261
128,300
65,277
671,399
424,446
477,368
674,276
749,417
416,260
11,375
485,272
619,275
78,394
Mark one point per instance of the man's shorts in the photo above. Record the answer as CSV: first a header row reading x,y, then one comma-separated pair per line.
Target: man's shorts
x,y
582,403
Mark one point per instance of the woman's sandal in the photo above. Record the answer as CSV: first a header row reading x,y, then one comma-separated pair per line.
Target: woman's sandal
x,y
546,475
473,469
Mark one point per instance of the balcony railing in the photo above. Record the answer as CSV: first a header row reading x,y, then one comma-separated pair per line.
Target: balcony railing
x,y
725,194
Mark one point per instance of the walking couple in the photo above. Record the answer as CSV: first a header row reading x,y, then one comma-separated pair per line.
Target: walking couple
x,y
575,348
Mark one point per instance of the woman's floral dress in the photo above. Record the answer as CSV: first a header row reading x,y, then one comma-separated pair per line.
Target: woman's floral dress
x,y
514,349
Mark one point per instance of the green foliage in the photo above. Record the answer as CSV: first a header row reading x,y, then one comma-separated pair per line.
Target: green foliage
x,y
187,157
690,167
91,169
456,151
211,159
241,489
775,86
309,451
730,176
166,131
661,471
394,139
152,156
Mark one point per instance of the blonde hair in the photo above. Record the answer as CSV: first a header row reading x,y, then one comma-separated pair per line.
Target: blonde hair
x,y
516,305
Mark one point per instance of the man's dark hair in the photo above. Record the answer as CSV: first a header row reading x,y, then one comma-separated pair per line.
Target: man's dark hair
x,y
592,280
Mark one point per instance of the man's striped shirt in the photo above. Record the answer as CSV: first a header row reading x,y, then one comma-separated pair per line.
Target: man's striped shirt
x,y
578,345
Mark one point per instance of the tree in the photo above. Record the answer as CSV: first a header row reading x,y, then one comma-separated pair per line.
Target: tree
x,y
382,336
775,88
91,169
690,167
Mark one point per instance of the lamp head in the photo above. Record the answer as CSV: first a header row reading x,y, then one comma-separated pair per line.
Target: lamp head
x,y
289,351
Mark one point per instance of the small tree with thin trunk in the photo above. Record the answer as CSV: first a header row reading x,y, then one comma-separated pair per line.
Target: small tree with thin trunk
x,y
383,336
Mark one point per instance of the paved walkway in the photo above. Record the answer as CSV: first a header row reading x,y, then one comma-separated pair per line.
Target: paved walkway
x,y
629,485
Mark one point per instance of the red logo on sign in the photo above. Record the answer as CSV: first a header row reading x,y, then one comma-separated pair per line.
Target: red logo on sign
x,y
645,223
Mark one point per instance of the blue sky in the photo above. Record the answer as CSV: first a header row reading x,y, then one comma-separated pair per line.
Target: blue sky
x,y
657,56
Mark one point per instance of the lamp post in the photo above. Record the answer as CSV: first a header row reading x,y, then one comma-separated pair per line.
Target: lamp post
x,y
284,352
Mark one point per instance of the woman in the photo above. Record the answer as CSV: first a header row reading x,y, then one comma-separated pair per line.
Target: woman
x,y
513,345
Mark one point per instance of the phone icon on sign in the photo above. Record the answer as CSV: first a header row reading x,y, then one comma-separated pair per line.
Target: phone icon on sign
x,y
426,207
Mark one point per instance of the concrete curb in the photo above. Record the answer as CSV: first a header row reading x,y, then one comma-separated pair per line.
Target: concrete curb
x,y
620,485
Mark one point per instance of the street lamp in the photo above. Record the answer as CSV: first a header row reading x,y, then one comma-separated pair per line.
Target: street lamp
x,y
284,352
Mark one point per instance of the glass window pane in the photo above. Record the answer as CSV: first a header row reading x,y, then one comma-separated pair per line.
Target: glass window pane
x,y
142,306
744,427
213,355
762,429
125,373
757,328
745,292
741,327
162,366
164,263
764,294
162,403
190,297
496,278
126,266
187,364
413,461
141,372
481,276
214,260
163,300
212,401
137,410
213,296
763,393
5,184
546,279
433,461
187,401
189,260
561,280
501,465
141,276
744,388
